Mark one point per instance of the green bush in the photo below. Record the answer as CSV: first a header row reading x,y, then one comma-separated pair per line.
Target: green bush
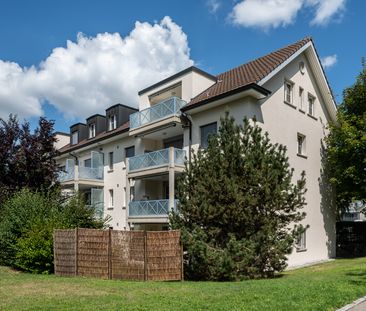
x,y
27,221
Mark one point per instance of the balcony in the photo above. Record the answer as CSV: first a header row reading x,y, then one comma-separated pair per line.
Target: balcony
x,y
150,209
165,111
156,160
90,173
66,176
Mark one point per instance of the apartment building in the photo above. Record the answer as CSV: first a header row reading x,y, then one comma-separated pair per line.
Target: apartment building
x,y
127,161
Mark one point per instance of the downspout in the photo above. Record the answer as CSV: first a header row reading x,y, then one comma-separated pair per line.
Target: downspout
x,y
76,158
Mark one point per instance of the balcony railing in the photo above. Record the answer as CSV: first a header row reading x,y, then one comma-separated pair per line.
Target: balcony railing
x,y
168,107
66,176
90,173
155,159
154,208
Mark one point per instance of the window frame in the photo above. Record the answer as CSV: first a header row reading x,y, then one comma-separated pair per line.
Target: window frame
x,y
291,84
301,99
112,122
111,198
74,134
301,148
92,130
205,145
110,160
129,148
301,242
311,103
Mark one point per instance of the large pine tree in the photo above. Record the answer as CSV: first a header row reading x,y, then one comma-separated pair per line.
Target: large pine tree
x,y
238,206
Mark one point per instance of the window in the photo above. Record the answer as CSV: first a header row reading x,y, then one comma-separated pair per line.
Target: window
x,y
300,144
91,130
288,92
111,198
110,160
74,138
112,122
130,152
311,100
206,131
301,98
87,163
301,242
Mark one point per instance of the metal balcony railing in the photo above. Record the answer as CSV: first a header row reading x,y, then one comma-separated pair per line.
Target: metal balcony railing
x,y
151,208
155,159
66,176
168,107
90,173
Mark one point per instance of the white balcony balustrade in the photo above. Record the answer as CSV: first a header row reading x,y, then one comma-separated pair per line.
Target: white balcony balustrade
x,y
90,173
166,108
156,159
64,176
151,208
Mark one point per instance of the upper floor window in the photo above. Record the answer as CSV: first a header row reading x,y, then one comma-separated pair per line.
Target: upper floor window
x,y
311,105
74,138
301,242
130,152
301,144
301,98
206,131
91,130
288,92
110,160
87,163
112,122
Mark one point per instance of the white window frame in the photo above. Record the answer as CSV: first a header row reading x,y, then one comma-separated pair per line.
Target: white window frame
x,y
301,99
204,144
111,198
290,84
112,122
301,144
74,137
301,242
91,130
311,105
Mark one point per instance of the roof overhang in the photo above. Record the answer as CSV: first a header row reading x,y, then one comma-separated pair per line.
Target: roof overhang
x,y
317,70
250,90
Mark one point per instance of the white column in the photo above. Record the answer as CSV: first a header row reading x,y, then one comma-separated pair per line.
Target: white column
x,y
171,178
76,178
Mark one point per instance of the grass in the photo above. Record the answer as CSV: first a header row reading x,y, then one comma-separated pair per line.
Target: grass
x,y
322,287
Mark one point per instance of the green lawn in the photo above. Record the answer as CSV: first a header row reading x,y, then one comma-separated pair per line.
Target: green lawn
x,y
322,287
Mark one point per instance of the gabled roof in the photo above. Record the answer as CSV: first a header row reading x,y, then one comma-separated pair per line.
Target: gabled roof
x,y
247,74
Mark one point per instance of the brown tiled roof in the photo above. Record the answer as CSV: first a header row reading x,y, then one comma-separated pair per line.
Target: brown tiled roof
x,y
246,74
103,135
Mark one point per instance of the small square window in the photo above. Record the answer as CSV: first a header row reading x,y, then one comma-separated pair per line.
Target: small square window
x,y
301,144
311,106
206,132
288,92
130,152
301,242
87,163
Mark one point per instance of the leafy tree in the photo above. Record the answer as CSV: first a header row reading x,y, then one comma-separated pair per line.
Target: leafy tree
x,y
26,159
27,222
347,145
238,206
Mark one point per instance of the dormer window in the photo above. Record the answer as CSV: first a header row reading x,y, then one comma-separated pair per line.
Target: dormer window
x,y
112,122
91,130
74,138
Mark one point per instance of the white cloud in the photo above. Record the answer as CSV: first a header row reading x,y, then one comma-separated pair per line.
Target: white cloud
x,y
266,14
329,61
213,5
326,10
88,75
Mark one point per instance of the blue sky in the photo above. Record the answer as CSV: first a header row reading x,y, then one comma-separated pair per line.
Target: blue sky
x,y
109,57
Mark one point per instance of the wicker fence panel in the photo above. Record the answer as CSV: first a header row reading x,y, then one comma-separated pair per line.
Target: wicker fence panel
x,y
163,255
127,255
92,256
112,254
65,252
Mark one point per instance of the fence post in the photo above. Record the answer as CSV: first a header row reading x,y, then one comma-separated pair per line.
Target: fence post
x,y
76,250
109,253
145,256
